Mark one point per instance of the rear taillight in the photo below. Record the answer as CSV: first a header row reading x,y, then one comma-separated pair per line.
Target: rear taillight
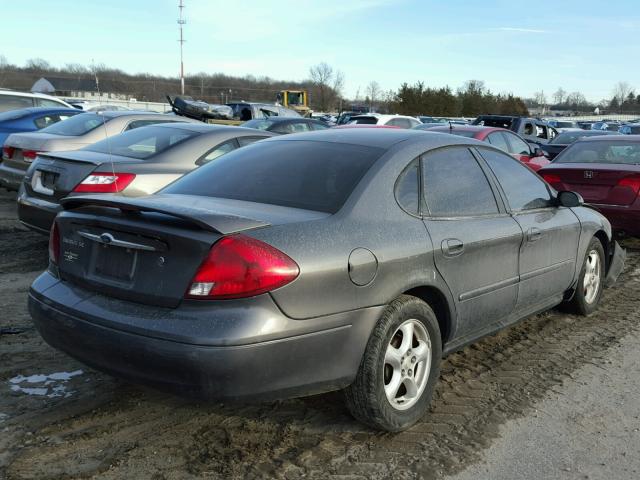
x,y
551,178
54,243
7,152
106,182
29,155
630,182
239,266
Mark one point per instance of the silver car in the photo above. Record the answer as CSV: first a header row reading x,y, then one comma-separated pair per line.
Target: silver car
x,y
132,164
70,134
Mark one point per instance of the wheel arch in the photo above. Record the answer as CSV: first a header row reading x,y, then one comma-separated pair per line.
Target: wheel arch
x,y
604,239
438,302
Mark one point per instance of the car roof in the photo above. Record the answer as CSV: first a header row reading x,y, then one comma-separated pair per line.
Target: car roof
x,y
383,138
612,138
209,128
34,110
277,118
467,128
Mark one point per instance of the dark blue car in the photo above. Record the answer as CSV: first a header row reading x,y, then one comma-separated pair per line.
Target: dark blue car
x,y
31,119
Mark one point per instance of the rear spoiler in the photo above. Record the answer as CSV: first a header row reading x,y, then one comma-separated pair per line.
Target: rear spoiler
x,y
186,207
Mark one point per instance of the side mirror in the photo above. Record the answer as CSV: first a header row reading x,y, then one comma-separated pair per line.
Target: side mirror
x,y
570,199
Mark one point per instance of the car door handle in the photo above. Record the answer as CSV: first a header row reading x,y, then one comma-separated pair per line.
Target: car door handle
x,y
452,247
533,234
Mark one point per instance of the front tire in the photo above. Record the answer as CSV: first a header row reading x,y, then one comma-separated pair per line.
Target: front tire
x,y
399,368
591,280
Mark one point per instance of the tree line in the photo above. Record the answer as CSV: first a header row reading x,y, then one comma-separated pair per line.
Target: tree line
x,y
623,100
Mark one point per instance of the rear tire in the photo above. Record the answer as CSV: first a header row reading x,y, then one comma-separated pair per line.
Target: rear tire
x,y
590,282
399,368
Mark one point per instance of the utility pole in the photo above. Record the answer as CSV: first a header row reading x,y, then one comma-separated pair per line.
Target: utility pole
x,y
181,22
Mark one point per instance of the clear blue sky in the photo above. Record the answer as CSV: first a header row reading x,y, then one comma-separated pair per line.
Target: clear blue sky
x,y
514,46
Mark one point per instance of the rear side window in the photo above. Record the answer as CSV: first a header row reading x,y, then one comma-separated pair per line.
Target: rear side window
x,y
454,185
291,128
517,145
217,151
46,121
365,121
407,187
45,102
524,189
14,102
142,142
77,125
302,174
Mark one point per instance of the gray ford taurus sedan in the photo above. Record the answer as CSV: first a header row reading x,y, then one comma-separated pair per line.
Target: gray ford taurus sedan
x,y
306,263
134,163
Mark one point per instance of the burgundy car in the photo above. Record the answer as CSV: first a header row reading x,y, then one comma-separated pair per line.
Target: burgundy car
x,y
605,170
501,138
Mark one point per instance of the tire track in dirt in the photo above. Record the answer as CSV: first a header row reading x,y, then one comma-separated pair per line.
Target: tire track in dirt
x,y
111,430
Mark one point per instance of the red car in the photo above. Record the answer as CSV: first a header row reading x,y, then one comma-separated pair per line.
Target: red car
x,y
501,138
605,170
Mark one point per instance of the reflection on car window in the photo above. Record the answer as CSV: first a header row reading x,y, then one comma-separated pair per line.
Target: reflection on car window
x,y
407,188
518,146
523,188
77,125
497,139
454,184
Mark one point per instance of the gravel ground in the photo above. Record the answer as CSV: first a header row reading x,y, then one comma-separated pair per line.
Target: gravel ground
x,y
60,419
589,428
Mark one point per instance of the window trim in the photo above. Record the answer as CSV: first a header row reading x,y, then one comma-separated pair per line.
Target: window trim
x,y
426,212
419,192
511,211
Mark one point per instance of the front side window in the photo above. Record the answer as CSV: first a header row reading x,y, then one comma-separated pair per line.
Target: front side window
x,y
524,189
454,185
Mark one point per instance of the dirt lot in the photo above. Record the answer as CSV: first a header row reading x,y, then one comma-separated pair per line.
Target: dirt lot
x,y
59,419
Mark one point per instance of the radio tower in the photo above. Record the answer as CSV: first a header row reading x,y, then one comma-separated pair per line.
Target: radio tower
x,y
181,22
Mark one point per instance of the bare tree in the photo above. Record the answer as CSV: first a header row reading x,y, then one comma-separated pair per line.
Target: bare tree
x,y
559,96
328,82
4,64
373,92
621,91
540,98
38,64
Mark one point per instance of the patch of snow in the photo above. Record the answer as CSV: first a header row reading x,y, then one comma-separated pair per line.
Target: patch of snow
x,y
50,385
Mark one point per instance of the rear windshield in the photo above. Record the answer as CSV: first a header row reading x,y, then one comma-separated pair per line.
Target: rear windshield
x,y
570,137
601,152
142,142
495,122
13,115
77,125
462,133
259,124
365,120
302,174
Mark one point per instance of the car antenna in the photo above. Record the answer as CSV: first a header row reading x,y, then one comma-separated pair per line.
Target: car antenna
x,y
450,125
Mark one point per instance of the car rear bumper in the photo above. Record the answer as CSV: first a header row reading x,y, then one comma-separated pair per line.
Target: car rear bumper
x,y
616,264
10,178
235,349
622,218
36,213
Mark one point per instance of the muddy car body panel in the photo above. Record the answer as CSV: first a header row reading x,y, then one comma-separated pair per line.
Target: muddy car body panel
x,y
358,240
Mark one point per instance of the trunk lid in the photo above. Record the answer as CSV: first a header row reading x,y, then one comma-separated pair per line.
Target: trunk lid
x,y
598,183
148,249
53,177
